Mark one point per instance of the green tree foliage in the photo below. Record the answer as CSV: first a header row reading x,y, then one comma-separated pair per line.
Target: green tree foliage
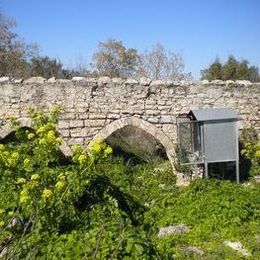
x,y
14,53
54,206
251,149
47,68
113,59
231,70
19,59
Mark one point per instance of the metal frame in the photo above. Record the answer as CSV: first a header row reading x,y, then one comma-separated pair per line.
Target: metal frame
x,y
190,122
201,159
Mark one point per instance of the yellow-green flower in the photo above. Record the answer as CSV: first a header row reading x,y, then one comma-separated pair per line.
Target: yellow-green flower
x,y
15,155
24,196
96,145
21,181
60,185
82,158
30,136
26,162
35,177
47,193
50,135
108,151
10,213
59,140
61,176
2,147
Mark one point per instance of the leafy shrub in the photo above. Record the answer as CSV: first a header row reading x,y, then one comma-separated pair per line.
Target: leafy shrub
x,y
56,205
97,206
251,150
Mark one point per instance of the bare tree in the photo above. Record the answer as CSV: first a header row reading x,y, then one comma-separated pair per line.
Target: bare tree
x,y
158,63
113,59
14,53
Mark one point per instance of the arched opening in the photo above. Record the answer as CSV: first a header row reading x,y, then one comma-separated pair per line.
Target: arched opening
x,y
136,144
15,137
7,134
136,132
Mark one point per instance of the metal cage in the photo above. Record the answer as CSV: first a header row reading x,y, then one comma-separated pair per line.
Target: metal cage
x,y
208,136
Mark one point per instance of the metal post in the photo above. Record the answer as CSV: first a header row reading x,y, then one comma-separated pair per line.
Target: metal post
x,y
237,171
237,153
206,170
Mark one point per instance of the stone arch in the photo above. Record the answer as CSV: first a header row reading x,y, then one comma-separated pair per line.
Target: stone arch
x,y
150,129
27,122
143,125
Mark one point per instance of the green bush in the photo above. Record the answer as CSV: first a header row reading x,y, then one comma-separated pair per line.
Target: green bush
x,y
97,206
251,150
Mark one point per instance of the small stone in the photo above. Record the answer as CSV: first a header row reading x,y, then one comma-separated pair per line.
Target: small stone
x,y
3,252
159,83
237,246
63,81
244,82
78,79
13,222
230,82
91,80
193,250
117,80
104,80
217,81
131,82
51,80
145,81
172,230
35,80
205,82
257,178
18,81
4,79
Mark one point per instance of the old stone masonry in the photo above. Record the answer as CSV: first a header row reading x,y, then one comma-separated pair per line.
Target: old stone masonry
x,y
98,107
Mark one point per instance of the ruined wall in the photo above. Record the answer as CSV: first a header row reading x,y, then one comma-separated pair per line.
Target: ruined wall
x,y
91,104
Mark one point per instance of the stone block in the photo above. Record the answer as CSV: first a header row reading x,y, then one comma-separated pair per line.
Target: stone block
x,y
154,120
35,80
113,116
166,119
131,82
79,132
152,112
63,124
97,116
95,123
74,141
76,123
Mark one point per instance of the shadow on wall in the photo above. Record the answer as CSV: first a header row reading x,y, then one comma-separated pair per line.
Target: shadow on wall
x,y
132,142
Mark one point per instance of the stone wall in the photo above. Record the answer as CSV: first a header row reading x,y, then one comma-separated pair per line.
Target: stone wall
x,y
97,107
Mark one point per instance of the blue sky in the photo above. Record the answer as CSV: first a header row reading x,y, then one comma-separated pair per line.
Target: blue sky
x,y
200,29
